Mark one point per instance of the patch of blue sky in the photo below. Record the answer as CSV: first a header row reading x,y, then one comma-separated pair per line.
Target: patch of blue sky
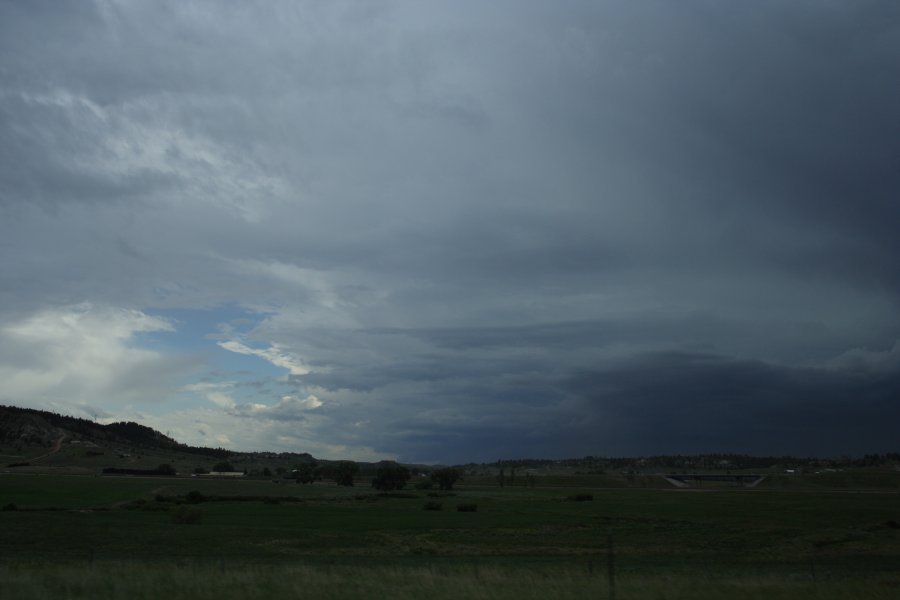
x,y
197,332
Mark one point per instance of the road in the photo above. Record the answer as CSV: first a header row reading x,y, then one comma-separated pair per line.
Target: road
x,y
56,446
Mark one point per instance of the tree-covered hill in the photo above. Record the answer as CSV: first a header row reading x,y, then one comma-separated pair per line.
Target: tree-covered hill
x,y
31,427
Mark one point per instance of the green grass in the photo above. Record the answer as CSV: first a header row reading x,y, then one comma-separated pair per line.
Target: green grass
x,y
668,543
853,479
225,581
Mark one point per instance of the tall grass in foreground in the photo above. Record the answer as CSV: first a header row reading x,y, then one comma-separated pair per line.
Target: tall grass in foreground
x,y
112,580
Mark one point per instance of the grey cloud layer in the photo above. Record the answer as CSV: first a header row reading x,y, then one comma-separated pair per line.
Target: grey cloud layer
x,y
483,226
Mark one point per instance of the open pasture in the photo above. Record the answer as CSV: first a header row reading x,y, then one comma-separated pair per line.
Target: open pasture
x,y
691,539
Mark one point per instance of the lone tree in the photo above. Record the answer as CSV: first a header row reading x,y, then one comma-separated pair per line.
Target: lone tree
x,y
307,472
390,476
343,472
445,478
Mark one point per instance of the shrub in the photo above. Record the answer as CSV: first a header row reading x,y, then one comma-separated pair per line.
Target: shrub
x,y
432,505
134,504
166,469
194,497
467,507
186,515
581,498
9,506
424,485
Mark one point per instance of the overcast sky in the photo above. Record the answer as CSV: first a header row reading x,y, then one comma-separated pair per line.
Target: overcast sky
x,y
456,231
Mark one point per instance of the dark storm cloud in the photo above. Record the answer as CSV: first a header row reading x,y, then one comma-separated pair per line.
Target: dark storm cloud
x,y
693,401
665,403
467,229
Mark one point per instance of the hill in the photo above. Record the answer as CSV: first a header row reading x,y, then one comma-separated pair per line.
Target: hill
x,y
31,427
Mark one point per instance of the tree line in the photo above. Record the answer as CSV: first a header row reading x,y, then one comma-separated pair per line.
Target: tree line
x,y
389,476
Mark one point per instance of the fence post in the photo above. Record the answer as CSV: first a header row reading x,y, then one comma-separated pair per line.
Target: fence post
x,y
610,566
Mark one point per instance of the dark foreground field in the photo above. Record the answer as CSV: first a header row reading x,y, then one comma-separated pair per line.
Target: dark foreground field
x,y
118,537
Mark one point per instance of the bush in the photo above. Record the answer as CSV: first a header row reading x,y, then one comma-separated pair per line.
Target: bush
x,y
186,515
166,469
424,485
467,507
9,506
194,497
432,505
134,504
581,498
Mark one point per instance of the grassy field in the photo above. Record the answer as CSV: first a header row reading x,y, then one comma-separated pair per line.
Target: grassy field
x,y
790,539
150,582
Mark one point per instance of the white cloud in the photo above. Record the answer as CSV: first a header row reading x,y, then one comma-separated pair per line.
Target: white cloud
x,y
223,400
85,354
289,408
205,387
275,354
309,402
213,392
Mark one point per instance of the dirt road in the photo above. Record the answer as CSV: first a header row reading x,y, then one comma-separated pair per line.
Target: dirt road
x,y
56,446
